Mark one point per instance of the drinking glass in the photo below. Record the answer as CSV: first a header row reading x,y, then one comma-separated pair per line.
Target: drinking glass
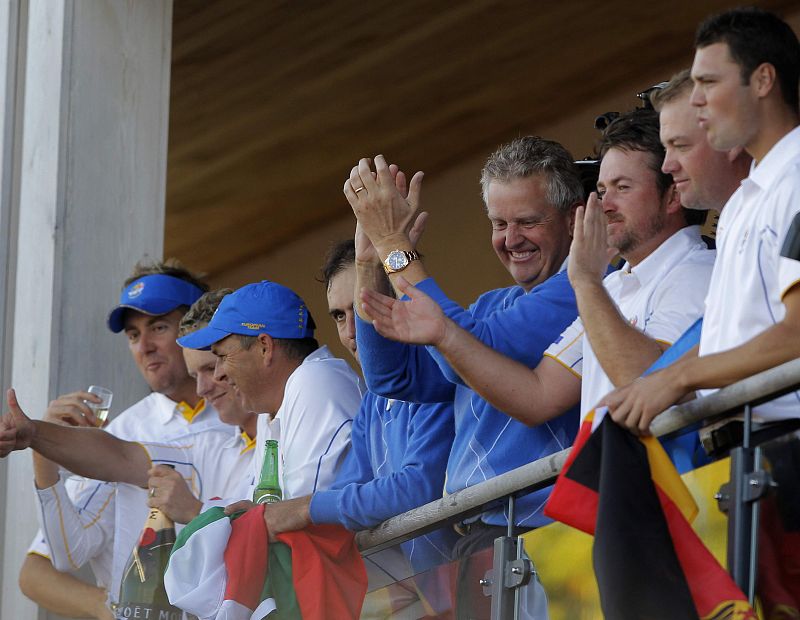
x,y
100,409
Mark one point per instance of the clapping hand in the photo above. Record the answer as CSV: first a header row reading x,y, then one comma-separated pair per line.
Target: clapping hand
x,y
419,320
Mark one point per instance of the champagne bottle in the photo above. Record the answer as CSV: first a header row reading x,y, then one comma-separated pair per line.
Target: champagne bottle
x,y
142,593
268,490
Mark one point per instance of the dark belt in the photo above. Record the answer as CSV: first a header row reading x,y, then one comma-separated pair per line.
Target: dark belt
x,y
721,440
467,529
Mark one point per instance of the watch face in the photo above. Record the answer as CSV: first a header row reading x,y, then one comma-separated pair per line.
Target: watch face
x,y
396,260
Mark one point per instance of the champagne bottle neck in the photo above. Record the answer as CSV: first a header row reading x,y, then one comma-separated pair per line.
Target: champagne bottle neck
x,y
157,520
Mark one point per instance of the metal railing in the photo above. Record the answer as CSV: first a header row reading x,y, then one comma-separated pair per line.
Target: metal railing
x,y
474,500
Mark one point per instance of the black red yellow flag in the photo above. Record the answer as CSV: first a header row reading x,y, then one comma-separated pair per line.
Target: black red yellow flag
x,y
648,560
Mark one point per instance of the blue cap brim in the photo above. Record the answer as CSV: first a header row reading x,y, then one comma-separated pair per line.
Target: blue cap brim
x,y
202,339
153,295
116,319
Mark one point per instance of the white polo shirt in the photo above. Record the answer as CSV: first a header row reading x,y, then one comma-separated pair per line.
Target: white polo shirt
x,y
751,277
312,425
154,418
215,463
662,296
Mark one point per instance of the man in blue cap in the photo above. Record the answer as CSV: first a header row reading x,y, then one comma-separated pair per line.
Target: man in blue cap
x,y
263,337
153,301
313,395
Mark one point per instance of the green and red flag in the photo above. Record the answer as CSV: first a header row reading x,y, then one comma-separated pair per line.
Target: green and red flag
x,y
225,568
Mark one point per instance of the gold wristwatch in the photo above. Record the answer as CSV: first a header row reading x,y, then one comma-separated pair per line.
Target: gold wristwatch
x,y
399,260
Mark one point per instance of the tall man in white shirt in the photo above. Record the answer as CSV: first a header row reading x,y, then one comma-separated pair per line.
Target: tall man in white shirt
x,y
152,302
626,320
745,73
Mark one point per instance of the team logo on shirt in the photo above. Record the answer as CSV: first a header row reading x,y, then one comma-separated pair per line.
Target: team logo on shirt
x,y
743,242
136,290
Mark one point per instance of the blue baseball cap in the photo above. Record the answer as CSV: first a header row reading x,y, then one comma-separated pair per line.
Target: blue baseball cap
x,y
155,294
260,308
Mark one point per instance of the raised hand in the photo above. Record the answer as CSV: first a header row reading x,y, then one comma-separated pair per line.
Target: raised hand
x,y
378,201
589,253
170,494
365,251
419,320
16,429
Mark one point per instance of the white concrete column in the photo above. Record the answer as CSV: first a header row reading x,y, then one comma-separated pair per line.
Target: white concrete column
x,y
9,44
90,167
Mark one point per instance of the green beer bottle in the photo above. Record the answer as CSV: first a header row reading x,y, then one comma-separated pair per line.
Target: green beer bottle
x,y
268,490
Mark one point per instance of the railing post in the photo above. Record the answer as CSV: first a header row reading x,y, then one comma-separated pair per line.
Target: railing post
x,y
744,510
510,572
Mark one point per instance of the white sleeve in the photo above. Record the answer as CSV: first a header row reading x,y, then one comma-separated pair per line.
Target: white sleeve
x,y
74,532
317,410
788,203
567,350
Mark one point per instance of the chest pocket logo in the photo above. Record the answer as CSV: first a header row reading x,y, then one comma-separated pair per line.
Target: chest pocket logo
x,y
743,242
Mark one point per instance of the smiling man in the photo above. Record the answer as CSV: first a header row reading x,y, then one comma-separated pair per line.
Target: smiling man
x,y
531,187
153,301
705,178
263,338
626,319
214,463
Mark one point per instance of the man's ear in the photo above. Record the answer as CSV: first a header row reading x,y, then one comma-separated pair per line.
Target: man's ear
x,y
673,199
267,346
763,79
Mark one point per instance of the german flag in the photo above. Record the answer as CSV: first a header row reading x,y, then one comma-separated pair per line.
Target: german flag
x,y
648,561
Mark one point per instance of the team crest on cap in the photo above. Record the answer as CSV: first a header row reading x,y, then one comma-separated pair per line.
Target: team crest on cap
x,y
253,325
136,290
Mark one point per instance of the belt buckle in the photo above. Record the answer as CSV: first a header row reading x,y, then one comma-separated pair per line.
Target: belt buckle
x,y
718,441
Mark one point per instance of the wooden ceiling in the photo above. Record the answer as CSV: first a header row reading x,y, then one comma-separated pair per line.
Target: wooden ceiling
x,y
273,102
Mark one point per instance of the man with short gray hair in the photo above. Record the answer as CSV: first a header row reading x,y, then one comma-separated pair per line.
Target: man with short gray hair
x,y
531,188
531,237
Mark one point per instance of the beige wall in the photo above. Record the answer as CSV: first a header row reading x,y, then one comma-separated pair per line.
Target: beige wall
x,y
456,245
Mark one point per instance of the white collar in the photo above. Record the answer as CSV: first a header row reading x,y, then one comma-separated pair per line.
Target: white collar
x,y
665,256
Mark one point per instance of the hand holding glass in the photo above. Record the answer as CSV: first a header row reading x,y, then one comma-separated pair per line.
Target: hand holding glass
x,y
100,409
